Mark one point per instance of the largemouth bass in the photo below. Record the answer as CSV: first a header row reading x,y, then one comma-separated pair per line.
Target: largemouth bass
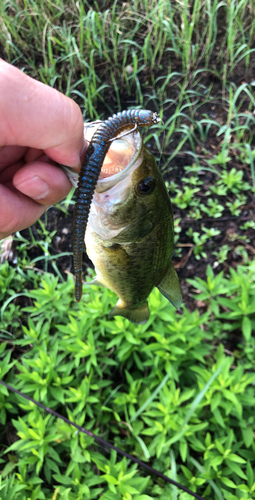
x,y
129,235
91,166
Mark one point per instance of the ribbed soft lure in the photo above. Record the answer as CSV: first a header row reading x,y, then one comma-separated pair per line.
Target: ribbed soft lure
x,y
90,171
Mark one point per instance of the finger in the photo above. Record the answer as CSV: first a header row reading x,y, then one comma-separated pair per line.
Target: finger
x,y
43,182
32,154
7,174
17,211
38,116
10,155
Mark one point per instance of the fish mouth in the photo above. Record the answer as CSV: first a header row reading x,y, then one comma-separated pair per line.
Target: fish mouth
x,y
122,157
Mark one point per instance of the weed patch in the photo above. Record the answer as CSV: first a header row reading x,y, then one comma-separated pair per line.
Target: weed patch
x,y
177,393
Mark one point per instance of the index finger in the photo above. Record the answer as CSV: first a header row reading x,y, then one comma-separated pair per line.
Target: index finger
x,y
35,115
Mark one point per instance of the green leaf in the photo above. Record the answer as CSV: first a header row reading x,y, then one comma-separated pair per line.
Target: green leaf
x,y
216,461
63,479
236,469
248,436
143,446
52,465
243,487
8,468
250,474
219,446
110,479
186,472
246,328
228,482
143,497
218,417
215,401
235,458
183,449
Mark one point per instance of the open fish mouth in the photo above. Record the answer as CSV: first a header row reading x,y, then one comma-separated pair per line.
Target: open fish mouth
x,y
124,155
114,183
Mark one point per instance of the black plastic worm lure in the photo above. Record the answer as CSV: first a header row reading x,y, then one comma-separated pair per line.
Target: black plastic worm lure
x,y
91,167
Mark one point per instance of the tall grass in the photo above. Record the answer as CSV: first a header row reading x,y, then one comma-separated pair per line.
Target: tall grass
x,y
176,57
82,35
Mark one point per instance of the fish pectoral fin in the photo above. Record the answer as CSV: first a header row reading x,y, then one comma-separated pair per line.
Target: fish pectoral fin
x,y
95,282
169,286
137,230
139,316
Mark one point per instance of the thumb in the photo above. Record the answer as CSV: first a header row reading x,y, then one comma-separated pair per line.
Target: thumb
x,y
37,116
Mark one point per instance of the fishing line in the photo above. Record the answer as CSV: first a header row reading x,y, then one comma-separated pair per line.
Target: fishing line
x,y
104,443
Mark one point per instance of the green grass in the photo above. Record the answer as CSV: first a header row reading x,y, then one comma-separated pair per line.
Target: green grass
x,y
179,391
164,54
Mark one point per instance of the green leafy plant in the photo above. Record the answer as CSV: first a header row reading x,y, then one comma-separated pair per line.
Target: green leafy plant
x,y
162,386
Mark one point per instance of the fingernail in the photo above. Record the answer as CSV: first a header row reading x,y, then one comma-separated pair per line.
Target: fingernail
x,y
35,188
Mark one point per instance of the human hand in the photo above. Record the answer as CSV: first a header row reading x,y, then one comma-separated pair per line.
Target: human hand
x,y
39,127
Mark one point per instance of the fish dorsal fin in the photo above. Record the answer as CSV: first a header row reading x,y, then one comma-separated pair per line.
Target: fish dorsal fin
x,y
140,315
169,286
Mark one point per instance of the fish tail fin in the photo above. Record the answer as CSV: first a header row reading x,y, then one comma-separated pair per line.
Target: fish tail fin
x,y
140,315
169,286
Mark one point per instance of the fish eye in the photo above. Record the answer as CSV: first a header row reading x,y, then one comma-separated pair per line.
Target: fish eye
x,y
146,186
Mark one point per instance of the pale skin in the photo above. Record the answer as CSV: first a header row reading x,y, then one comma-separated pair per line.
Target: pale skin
x,y
39,129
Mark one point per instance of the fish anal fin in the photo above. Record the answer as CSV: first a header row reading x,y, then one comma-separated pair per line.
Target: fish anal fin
x,y
96,281
169,286
139,315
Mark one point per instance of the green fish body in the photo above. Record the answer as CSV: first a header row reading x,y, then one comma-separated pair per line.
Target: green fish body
x,y
130,235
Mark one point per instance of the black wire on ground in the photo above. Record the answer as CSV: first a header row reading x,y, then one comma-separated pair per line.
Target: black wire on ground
x,y
104,443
